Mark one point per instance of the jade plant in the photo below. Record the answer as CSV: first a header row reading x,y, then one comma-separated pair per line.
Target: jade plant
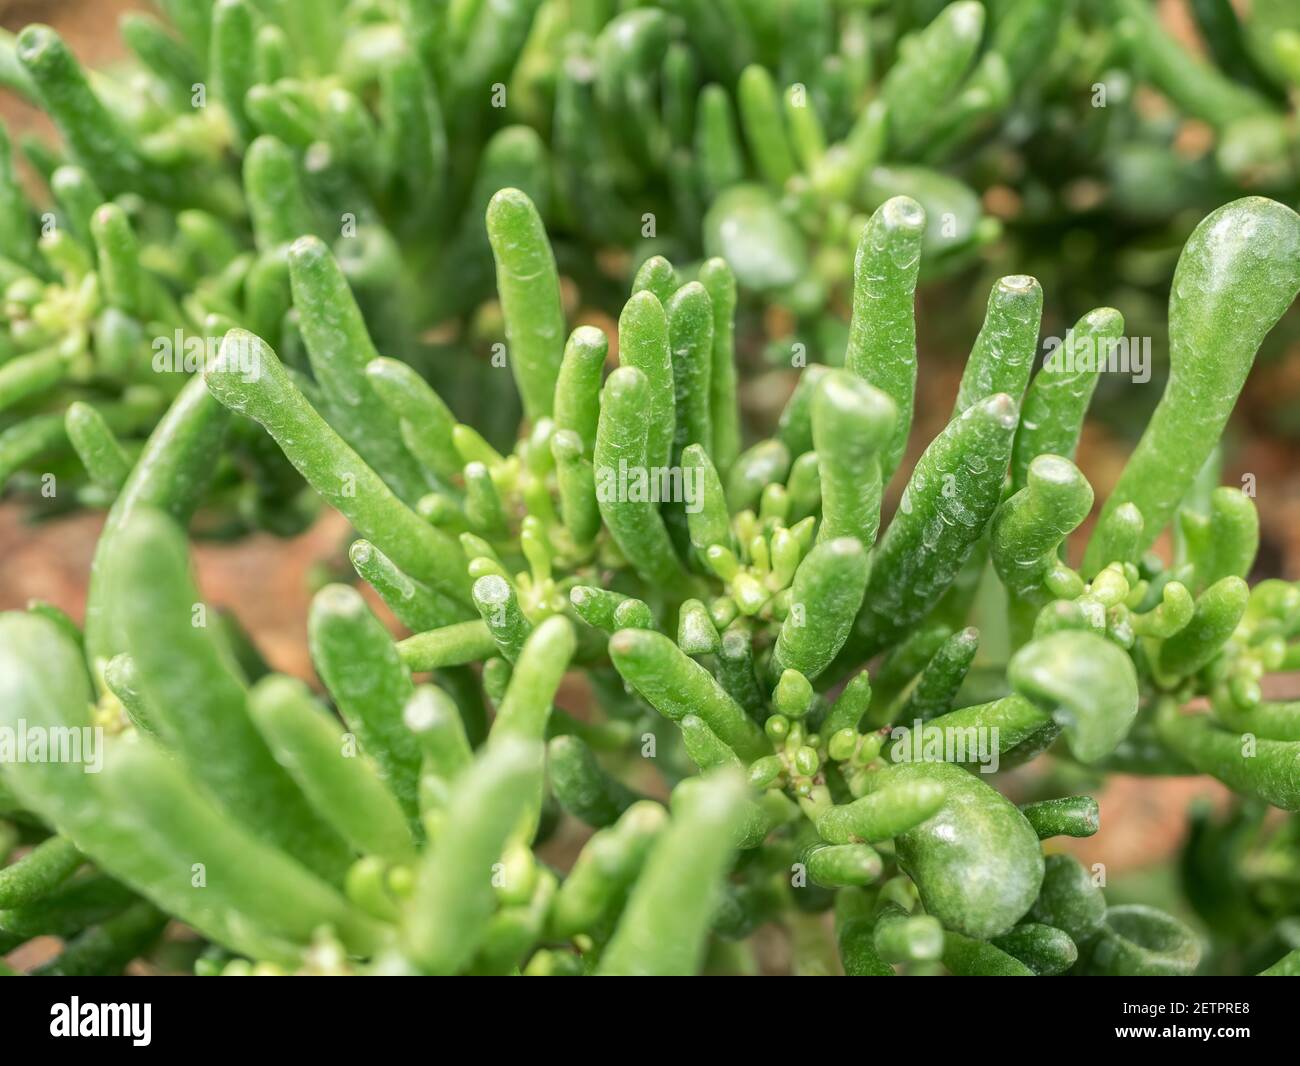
x,y
765,706
761,133
779,160
1137,123
1241,90
765,134
181,179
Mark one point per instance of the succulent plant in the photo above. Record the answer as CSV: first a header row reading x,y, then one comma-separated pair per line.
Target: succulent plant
x,y
384,128
808,692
